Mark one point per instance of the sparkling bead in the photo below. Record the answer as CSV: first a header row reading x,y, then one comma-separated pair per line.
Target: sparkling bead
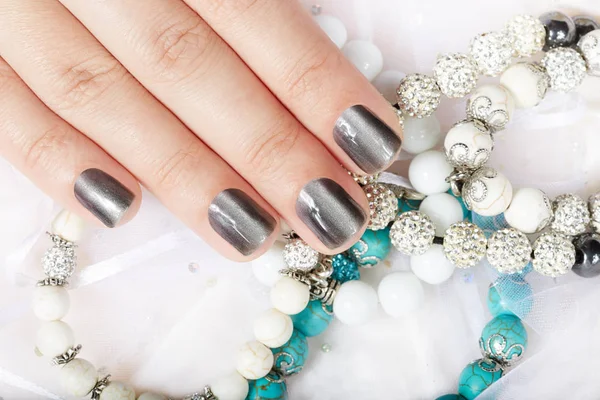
x,y
254,360
289,296
372,248
273,328
443,209
344,268
560,30
504,339
364,180
492,104
291,357
230,387
509,251
270,387
266,268
418,95
468,145
553,254
478,376
117,391
530,210
487,192
571,215
590,48
383,205
565,67
584,24
492,52
400,293
412,233
456,74
314,319
464,244
587,256
334,28
421,134
355,303
527,82
60,260
78,377
510,294
54,338
527,33
68,226
428,172
594,203
50,303
365,56
299,255
432,267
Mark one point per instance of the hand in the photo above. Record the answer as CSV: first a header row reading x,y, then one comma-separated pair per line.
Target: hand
x,y
234,113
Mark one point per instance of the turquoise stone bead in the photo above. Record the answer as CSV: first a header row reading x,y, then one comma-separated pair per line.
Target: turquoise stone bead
x,y
289,359
408,205
271,387
314,319
489,225
510,294
451,397
466,211
344,268
372,248
504,339
477,377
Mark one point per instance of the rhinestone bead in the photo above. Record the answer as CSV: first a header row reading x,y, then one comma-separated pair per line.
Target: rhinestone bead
x,y
571,215
418,95
553,254
383,205
565,68
464,244
60,260
527,33
509,251
492,52
594,204
299,255
456,74
590,48
412,233
363,180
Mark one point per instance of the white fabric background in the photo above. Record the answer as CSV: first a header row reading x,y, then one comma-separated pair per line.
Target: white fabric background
x,y
144,317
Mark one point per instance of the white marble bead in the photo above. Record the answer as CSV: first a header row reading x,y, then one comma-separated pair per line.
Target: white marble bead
x,y
421,134
355,303
54,338
273,328
400,293
443,209
365,56
527,83
487,192
50,303
230,387
289,296
254,360
428,172
387,83
68,226
334,28
530,210
78,377
433,266
492,104
152,396
266,268
118,391
468,144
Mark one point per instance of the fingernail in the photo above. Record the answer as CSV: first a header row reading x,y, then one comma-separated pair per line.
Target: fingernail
x,y
103,196
240,220
330,212
369,141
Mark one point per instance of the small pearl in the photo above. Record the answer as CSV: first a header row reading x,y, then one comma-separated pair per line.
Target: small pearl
x,y
365,56
152,396
428,172
230,387
527,83
387,83
254,360
78,377
355,303
50,303
273,328
290,296
421,134
334,28
443,209
118,391
68,226
266,268
530,210
54,338
400,293
432,267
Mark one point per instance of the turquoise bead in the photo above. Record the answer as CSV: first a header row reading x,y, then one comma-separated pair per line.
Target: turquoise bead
x,y
477,377
466,211
510,294
408,205
372,248
504,339
314,319
344,268
451,397
271,387
489,225
289,359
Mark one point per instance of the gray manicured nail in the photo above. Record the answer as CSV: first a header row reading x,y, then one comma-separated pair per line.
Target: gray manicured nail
x,y
103,196
369,141
330,212
240,220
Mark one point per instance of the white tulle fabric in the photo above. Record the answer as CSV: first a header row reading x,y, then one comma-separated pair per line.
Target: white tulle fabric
x,y
155,306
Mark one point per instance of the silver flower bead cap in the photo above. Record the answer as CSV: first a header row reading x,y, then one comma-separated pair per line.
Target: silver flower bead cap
x,y
527,34
456,74
299,255
553,254
412,233
571,215
590,48
418,95
464,244
565,67
508,251
383,205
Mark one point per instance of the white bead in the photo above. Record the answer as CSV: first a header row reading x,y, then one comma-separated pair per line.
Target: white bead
x,y
487,192
527,83
266,268
50,303
78,377
400,293
289,296
530,210
273,328
421,134
152,396
68,226
118,391
54,338
334,28
492,104
254,360
365,56
443,209
428,172
386,83
468,144
432,267
355,303
230,387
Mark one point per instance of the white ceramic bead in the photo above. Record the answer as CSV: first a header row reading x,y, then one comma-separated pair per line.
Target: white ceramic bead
x,y
355,303
530,210
334,28
254,360
421,134
273,328
118,391
428,172
387,83
400,293
492,104
433,267
266,268
289,296
443,209
68,226
230,387
487,192
527,82
365,56
152,396
78,377
50,303
468,144
54,338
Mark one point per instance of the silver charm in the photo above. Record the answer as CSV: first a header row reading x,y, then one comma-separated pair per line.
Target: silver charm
x,y
67,356
464,244
206,394
60,260
509,251
412,233
565,68
456,74
383,205
100,386
495,349
571,215
590,48
527,33
492,52
299,255
418,95
553,254
52,282
594,203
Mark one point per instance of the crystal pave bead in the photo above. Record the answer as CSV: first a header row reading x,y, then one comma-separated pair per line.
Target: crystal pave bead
x,y
418,95
527,33
464,244
590,48
456,74
412,233
383,205
571,215
594,204
553,254
509,251
299,255
565,67
60,260
492,52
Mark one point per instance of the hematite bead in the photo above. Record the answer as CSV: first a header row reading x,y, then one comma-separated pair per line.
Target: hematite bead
x,y
560,30
584,24
587,256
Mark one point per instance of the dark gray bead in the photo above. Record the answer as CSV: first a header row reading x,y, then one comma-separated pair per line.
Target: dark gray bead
x,y
584,24
587,255
560,30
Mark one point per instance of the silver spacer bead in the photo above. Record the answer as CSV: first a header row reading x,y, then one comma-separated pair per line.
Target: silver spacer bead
x,y
553,254
383,205
571,215
418,95
565,67
60,260
67,356
594,203
509,251
53,282
464,244
412,233
206,394
456,74
299,255
100,386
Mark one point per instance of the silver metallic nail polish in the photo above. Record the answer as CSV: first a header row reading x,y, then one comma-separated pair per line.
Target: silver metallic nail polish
x,y
103,196
240,220
369,141
330,212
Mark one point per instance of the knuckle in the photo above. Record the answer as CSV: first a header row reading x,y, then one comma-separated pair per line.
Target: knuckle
x,y
308,73
177,171
53,144
230,8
